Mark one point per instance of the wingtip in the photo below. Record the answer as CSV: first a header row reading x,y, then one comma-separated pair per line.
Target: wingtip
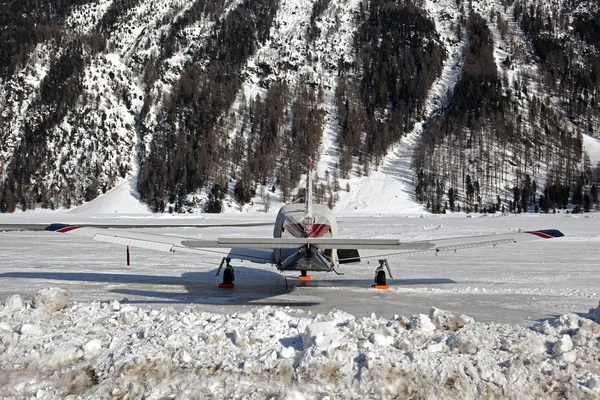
x,y
62,228
55,227
547,233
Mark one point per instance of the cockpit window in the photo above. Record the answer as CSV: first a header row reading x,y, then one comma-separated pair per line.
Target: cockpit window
x,y
294,226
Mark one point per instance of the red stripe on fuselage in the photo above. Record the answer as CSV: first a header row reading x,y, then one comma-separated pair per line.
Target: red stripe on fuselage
x,y
319,230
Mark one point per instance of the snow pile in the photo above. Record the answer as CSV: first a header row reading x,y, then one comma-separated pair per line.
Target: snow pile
x,y
120,350
51,299
14,302
595,313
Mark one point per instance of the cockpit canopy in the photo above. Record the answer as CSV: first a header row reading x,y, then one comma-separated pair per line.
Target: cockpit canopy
x,y
292,221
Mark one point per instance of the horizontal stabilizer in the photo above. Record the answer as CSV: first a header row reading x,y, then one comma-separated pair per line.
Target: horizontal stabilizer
x,y
323,243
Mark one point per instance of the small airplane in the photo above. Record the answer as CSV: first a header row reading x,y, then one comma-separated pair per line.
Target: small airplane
x,y
305,238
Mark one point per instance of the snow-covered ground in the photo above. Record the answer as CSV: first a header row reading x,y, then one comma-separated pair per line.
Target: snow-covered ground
x,y
116,350
516,323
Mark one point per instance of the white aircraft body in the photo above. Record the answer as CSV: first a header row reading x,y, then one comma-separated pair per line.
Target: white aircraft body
x,y
305,239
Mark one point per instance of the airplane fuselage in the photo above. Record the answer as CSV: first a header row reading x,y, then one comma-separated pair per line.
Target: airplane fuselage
x,y
292,222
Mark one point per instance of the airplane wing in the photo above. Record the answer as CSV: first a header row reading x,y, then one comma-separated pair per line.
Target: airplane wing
x,y
166,243
466,242
260,249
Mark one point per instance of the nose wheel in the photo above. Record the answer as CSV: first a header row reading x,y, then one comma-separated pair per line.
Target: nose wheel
x,y
380,276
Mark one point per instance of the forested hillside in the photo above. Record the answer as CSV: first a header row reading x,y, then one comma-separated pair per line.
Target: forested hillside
x,y
204,101
511,135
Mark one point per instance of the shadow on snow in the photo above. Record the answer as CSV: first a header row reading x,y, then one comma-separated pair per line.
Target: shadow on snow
x,y
253,286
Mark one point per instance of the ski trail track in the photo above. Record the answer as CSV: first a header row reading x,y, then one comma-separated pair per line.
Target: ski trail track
x,y
397,164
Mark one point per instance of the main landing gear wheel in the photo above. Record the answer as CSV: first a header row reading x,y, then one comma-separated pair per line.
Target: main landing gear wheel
x,y
228,275
380,277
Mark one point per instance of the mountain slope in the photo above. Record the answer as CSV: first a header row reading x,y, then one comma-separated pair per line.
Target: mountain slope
x,y
223,100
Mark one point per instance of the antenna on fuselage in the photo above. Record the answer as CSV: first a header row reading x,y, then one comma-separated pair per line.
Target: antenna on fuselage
x,y
308,218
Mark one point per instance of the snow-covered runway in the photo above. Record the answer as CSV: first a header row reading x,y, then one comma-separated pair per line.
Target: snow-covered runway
x,y
515,324
516,283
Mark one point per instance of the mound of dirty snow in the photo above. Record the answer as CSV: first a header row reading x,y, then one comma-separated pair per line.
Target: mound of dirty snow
x,y
51,299
102,350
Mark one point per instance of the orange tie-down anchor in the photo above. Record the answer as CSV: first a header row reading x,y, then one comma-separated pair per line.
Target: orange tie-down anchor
x,y
304,276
